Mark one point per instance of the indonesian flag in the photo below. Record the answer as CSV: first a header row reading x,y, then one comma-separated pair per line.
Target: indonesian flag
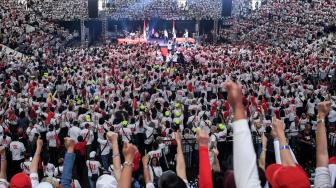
x,y
144,30
174,31
135,104
190,87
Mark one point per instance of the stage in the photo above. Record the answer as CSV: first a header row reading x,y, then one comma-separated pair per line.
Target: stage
x,y
129,41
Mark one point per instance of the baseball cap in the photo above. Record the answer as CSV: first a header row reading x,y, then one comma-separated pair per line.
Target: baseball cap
x,y
177,121
92,154
20,180
44,185
124,123
106,181
167,113
287,176
221,126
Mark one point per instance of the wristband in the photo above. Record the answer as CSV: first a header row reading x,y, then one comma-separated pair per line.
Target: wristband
x,y
115,155
3,158
264,149
285,147
320,121
127,163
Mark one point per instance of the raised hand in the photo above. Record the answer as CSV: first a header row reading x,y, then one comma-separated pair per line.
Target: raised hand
x,y
278,127
323,109
178,137
112,137
234,92
129,151
39,143
69,144
203,139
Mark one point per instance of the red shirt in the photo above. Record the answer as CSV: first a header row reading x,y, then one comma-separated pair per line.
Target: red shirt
x,y
81,147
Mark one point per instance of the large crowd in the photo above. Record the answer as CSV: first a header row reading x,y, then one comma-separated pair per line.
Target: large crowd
x,y
168,10
246,114
292,23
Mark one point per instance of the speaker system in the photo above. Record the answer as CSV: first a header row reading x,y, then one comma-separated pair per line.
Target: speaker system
x,y
226,8
93,8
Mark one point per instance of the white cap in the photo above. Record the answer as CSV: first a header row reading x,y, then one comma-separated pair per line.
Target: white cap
x,y
92,154
44,185
106,181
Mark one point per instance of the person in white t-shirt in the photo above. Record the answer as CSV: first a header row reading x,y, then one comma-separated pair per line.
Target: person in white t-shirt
x,y
25,166
52,136
5,140
105,148
17,149
93,167
88,136
48,168
74,132
125,132
155,169
59,169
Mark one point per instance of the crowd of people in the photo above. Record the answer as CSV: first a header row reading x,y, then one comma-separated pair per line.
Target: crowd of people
x,y
168,10
246,114
292,22
61,9
25,30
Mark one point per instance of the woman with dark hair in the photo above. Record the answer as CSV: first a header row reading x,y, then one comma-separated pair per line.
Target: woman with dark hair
x,y
155,170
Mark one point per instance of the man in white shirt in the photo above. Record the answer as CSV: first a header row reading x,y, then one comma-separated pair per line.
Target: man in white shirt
x,y
74,132
88,136
52,137
17,149
93,168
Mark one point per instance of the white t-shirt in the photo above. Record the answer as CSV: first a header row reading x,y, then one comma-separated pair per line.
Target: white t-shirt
x,y
51,137
126,134
105,146
87,136
17,148
93,168
5,142
49,170
332,116
31,133
25,166
74,132
157,170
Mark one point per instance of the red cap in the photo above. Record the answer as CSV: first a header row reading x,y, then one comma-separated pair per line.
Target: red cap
x,y
287,177
332,160
20,180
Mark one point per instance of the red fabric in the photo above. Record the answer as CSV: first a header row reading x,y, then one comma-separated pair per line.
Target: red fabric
x,y
136,162
205,175
287,176
164,51
135,104
50,116
81,147
190,87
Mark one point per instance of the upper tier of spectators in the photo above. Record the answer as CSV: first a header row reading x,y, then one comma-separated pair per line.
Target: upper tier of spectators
x,y
169,10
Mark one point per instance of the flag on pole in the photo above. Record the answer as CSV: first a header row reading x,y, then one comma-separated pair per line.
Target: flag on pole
x,y
174,32
145,30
